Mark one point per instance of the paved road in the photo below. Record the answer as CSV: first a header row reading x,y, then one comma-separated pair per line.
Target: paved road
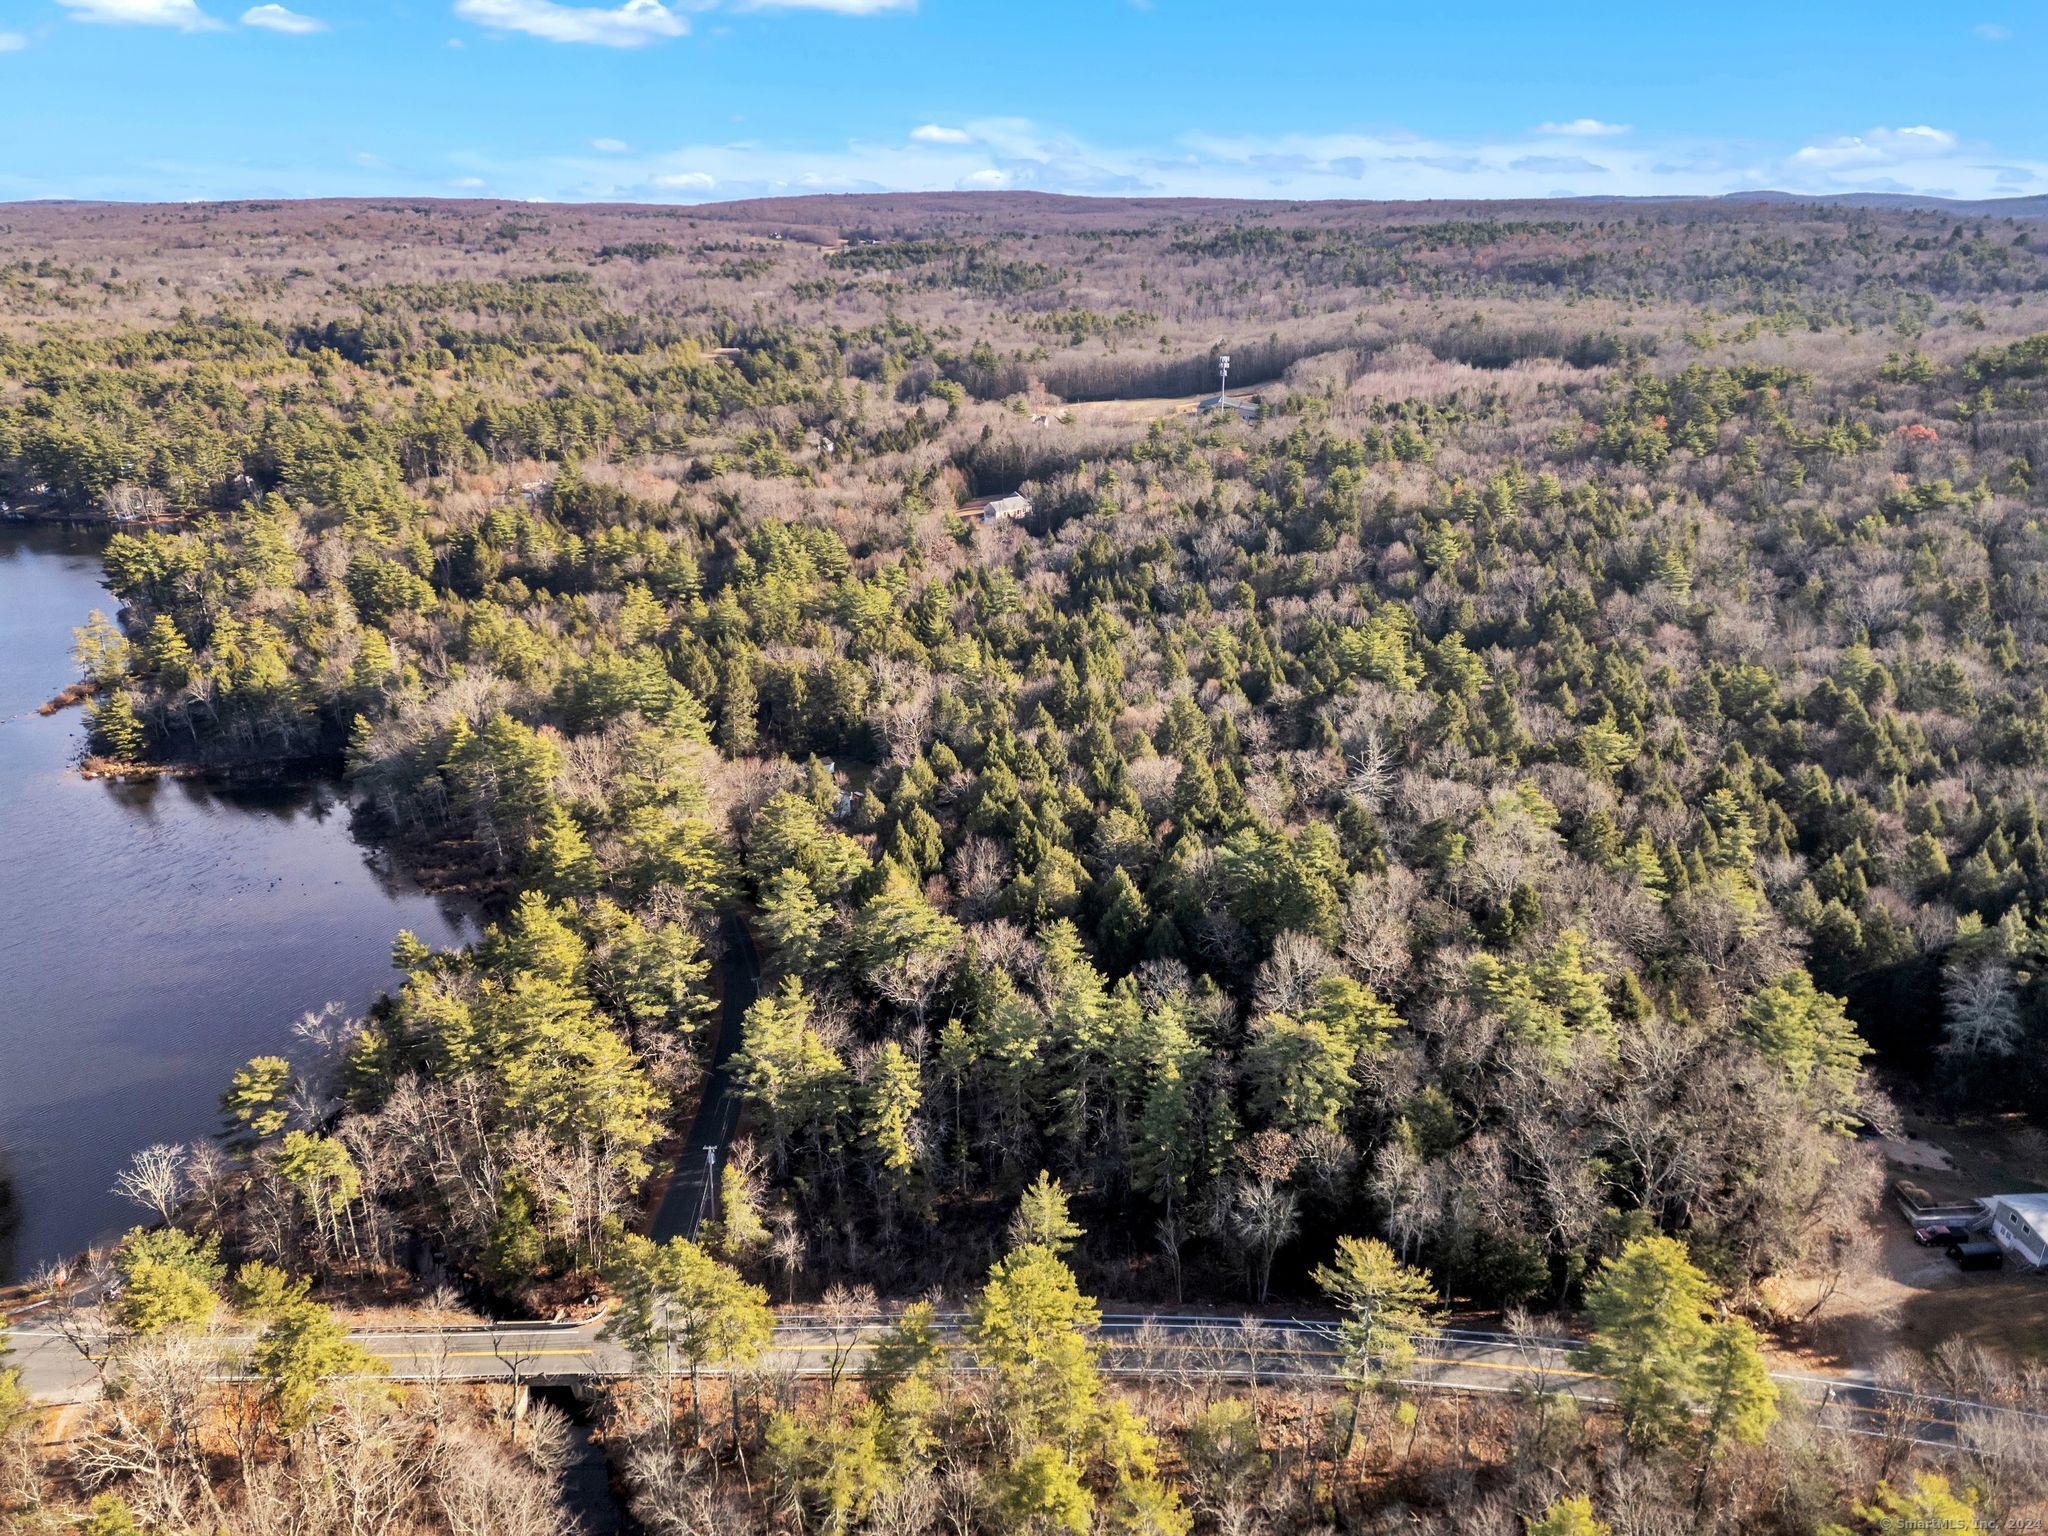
x,y
693,1190
1166,1348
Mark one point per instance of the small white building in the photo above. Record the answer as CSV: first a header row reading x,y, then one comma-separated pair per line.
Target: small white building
x,y
1013,508
2019,1225
1246,406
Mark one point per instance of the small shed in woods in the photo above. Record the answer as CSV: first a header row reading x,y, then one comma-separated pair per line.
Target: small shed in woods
x,y
1013,508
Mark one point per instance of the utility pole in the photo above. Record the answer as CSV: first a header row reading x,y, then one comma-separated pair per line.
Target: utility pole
x,y
705,1201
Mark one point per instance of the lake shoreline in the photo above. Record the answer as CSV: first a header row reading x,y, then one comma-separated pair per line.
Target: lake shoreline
x,y
50,517
244,896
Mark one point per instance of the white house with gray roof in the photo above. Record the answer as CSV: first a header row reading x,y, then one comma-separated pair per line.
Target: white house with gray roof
x,y
2019,1225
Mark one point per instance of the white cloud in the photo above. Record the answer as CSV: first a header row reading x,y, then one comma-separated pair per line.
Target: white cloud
x,y
1992,32
1921,160
13,42
843,7
467,183
932,133
1557,165
1584,128
630,25
275,18
185,15
1017,153
627,24
610,146
1878,147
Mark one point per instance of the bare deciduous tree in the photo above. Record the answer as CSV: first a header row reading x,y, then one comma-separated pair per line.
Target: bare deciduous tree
x,y
155,1179
1373,936
1981,1001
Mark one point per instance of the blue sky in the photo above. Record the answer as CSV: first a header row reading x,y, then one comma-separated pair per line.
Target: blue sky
x,y
696,100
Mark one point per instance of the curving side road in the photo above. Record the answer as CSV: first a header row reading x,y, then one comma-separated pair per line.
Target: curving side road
x,y
1161,1348
693,1189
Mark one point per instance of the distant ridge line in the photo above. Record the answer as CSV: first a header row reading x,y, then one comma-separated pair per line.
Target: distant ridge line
x,y
842,208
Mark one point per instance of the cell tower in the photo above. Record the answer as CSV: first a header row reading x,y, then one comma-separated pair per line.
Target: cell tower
x,y
1222,377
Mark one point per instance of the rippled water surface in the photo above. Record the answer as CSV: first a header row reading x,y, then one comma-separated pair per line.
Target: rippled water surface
x,y
152,936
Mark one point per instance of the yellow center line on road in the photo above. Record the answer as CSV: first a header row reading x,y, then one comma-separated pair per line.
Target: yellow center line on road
x,y
1526,1371
508,1355
1437,1369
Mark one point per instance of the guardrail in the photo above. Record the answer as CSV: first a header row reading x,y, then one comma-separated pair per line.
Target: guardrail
x,y
1265,1349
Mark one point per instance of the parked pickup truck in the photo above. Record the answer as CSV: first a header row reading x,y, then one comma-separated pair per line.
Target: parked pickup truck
x,y
1939,1234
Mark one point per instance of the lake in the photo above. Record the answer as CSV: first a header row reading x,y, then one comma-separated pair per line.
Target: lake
x,y
153,936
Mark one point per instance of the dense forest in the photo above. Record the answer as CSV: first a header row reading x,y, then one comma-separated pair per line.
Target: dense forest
x,y
1496,824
